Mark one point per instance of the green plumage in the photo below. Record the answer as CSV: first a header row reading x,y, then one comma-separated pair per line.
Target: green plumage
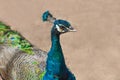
x,y
19,59
14,39
4,26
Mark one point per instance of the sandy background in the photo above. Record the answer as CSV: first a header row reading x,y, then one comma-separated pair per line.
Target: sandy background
x,y
93,52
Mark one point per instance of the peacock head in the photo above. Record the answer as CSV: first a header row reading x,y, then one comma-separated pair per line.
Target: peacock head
x,y
59,26
62,26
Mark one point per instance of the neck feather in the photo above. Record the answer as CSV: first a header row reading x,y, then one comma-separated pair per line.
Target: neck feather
x,y
55,61
56,50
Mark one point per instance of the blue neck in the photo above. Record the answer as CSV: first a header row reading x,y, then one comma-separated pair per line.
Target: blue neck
x,y
56,47
55,62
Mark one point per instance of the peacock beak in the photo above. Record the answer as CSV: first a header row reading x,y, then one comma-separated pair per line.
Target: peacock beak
x,y
71,29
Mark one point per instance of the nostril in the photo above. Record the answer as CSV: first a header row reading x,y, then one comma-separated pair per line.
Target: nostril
x,y
71,28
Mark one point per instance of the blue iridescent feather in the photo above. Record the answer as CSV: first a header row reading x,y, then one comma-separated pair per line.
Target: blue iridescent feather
x,y
56,68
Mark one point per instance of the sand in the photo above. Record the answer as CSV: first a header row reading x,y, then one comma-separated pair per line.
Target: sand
x,y
91,53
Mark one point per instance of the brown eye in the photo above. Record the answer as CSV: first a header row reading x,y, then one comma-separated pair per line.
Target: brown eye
x,y
62,27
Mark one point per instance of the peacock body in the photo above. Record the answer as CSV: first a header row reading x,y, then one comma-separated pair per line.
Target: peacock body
x,y
19,59
22,61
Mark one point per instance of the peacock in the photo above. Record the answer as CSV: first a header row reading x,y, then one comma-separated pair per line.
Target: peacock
x,y
56,68
20,60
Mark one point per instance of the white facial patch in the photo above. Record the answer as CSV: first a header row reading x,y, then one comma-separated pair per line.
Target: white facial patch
x,y
59,29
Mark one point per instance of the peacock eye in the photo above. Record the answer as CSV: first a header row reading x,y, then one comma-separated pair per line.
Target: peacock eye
x,y
62,27
12,38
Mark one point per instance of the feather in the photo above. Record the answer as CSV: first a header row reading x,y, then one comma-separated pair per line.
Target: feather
x,y
20,60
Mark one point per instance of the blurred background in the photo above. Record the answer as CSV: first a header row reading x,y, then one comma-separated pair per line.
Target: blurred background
x,y
91,53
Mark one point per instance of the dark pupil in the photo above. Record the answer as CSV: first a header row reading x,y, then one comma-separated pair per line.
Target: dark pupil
x,y
62,27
